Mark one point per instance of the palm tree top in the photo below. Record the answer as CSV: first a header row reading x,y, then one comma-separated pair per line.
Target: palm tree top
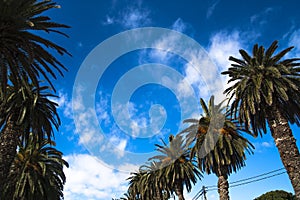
x,y
23,52
261,81
217,140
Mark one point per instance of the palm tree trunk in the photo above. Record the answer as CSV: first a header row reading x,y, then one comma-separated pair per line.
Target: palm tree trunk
x,y
8,146
286,145
223,187
158,195
179,190
158,192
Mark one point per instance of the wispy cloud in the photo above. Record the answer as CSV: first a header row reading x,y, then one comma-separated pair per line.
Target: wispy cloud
x,y
224,44
90,178
267,144
261,147
295,41
211,9
133,16
179,25
262,17
203,67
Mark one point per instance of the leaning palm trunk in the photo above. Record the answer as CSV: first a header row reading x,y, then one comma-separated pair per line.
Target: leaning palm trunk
x,y
223,187
179,191
286,145
8,146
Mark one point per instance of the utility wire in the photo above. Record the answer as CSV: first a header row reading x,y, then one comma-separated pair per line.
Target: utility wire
x,y
246,179
258,179
240,182
231,186
253,177
198,195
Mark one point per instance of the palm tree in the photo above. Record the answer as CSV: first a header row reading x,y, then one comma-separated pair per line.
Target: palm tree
x,y
24,57
156,183
27,109
266,91
177,169
127,196
136,187
37,172
148,184
24,54
217,143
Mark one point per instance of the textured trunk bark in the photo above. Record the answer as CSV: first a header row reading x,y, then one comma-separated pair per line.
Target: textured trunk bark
x,y
179,191
286,145
8,146
223,187
159,195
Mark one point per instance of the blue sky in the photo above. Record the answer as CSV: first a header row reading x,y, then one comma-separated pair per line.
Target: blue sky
x,y
113,113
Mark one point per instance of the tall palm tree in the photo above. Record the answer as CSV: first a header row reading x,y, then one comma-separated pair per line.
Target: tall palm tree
x,y
137,185
155,181
27,109
266,91
217,143
23,53
37,172
177,168
24,57
148,184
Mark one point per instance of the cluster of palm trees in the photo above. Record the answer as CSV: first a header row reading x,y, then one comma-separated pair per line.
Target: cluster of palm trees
x,y
265,94
30,167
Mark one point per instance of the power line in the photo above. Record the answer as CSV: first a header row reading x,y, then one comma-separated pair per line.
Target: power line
x,y
253,177
245,183
259,179
240,182
246,179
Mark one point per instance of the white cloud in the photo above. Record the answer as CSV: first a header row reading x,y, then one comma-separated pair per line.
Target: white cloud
x,y
109,20
119,145
203,68
222,46
295,41
102,107
91,179
260,147
179,25
131,17
64,103
211,9
267,144
86,125
262,17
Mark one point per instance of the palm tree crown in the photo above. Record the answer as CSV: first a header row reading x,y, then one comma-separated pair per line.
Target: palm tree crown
x,y
177,168
217,143
24,53
37,172
263,81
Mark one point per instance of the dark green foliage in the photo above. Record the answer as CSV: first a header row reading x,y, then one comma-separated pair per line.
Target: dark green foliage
x,y
167,173
217,143
23,53
262,81
35,110
37,172
266,91
176,167
276,195
217,140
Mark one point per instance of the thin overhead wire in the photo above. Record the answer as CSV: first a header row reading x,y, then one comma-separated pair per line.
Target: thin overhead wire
x,y
241,182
